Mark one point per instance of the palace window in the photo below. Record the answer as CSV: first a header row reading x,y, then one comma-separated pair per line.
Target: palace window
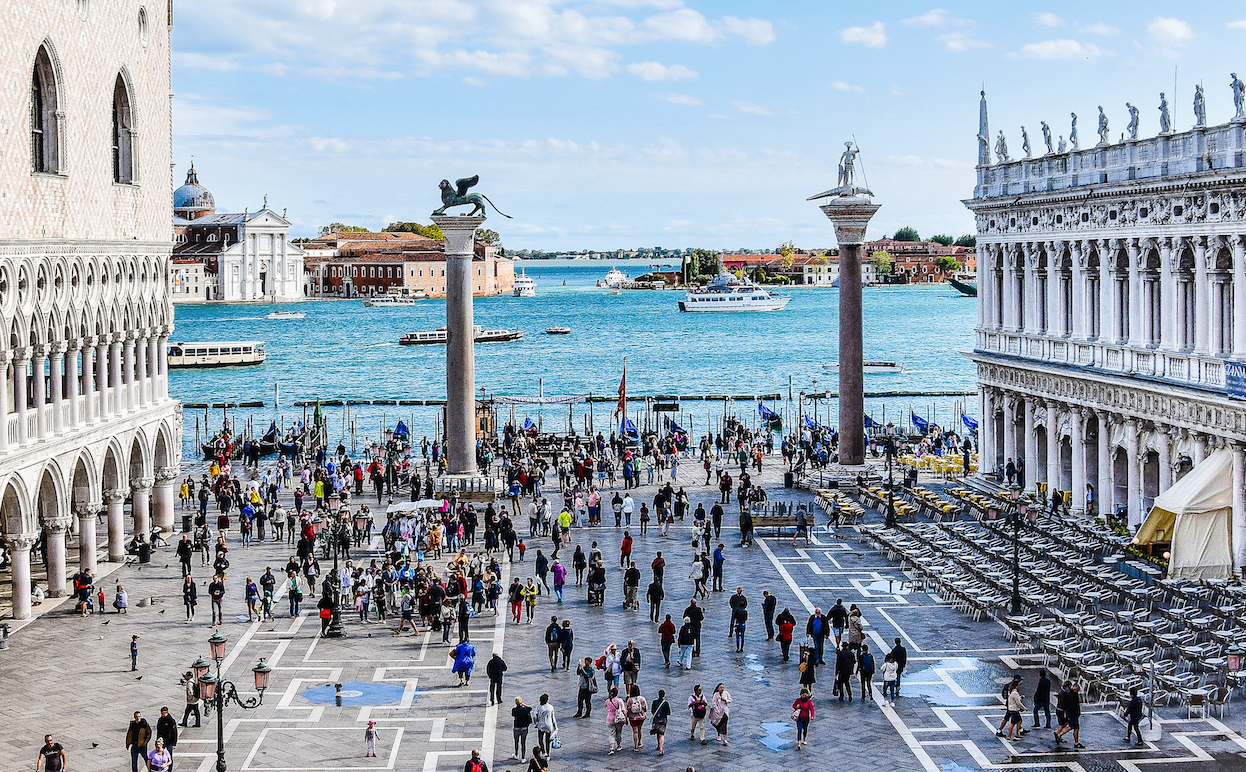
x,y
122,134
44,102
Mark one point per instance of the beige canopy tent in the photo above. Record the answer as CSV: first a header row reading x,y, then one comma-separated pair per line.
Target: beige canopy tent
x,y
1196,515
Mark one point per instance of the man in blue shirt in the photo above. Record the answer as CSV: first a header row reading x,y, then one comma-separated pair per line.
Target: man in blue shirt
x,y
719,560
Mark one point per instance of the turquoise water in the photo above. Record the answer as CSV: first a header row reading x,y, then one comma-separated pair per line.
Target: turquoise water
x,y
343,350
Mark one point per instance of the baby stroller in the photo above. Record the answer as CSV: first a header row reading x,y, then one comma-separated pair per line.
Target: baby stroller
x,y
596,594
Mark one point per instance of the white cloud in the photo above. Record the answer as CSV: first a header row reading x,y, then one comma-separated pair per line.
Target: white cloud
x,y
751,109
933,18
896,92
1106,30
331,144
659,71
680,99
959,42
756,32
1060,49
1172,32
840,85
1048,20
208,62
1236,24
873,36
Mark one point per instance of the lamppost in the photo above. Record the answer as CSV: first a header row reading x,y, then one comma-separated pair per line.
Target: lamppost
x,y
333,583
889,450
214,689
1018,512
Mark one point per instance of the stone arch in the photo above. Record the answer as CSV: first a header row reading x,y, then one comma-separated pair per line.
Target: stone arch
x,y
15,513
114,475
47,106
84,487
162,449
51,503
139,457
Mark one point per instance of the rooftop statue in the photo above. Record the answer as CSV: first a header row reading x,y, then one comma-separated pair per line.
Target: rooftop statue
x,y
1200,107
1133,121
1239,89
458,196
1001,149
1103,127
1063,146
1025,143
1047,137
1165,120
1073,133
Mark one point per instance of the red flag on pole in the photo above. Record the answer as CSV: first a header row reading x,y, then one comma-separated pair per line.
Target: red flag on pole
x,y
621,409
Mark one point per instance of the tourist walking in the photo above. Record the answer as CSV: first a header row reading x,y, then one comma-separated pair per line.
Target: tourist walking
x,y
369,740
655,594
720,712
1133,714
192,699
553,642
660,713
808,672
865,669
666,632
803,713
1069,705
890,670
546,724
818,628
159,760
566,642
637,712
495,669
1042,698
166,732
686,640
137,735
588,687
51,756
616,718
698,708
464,660
901,656
522,716
845,666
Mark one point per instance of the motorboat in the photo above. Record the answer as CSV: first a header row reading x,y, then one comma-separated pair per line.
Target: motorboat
x,y
966,284
525,286
613,279
557,330
223,353
397,297
727,292
874,366
439,335
286,315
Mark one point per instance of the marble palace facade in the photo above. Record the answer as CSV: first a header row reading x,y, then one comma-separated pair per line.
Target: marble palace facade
x,y
89,430
1111,306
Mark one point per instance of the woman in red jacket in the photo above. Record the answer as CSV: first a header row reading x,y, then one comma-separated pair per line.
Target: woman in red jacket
x,y
803,711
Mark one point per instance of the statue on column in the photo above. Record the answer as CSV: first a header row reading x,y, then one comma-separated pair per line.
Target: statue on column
x,y
1001,148
1025,142
1063,146
1073,133
1165,120
1239,92
458,196
1133,121
1047,137
1200,107
1103,127
847,164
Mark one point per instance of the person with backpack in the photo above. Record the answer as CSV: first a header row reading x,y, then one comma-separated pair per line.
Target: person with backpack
x,y
802,713
475,763
522,715
616,717
587,674
464,660
865,670
637,711
698,708
1133,714
553,642
660,713
546,724
192,698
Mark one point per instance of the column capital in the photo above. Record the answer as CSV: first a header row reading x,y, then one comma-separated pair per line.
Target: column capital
x,y
59,347
75,344
141,483
40,350
20,542
115,495
167,474
131,336
87,509
7,355
57,525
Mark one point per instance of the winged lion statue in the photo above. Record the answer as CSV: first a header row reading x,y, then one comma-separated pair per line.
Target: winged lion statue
x,y
457,195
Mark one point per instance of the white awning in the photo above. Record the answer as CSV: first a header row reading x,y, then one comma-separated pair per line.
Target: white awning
x,y
1196,515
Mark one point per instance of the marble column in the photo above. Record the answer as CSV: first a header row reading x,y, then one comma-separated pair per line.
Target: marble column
x,y
1167,295
1010,428
54,534
93,378
1165,434
1239,506
19,554
986,431
1136,336
850,216
58,379
1077,439
1055,290
1053,448
86,536
153,368
6,359
1029,289
1200,449
165,505
1107,293
129,394
460,342
162,362
116,387
1133,473
21,363
1078,285
1238,243
114,499
1202,301
71,381
1107,496
140,505
40,385
1029,441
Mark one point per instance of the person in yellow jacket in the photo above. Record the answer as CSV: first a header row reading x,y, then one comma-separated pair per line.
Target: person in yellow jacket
x,y
319,492
529,592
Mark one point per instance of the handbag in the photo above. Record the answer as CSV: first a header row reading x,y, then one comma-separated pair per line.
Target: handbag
x,y
557,743
796,714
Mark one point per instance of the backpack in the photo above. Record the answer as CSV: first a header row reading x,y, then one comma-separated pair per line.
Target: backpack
x,y
699,708
551,635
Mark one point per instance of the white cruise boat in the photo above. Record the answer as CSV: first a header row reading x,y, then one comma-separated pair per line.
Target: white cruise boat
x,y
869,366
725,292
397,297
217,353
613,279
286,315
525,285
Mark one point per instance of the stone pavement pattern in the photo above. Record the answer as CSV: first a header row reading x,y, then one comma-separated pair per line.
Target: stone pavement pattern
x,y
70,676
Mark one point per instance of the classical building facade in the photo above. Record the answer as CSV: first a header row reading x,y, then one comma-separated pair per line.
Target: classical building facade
x,y
1111,301
85,249
349,265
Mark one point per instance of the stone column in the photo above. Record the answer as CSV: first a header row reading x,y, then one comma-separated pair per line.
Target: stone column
x,y
114,499
71,380
850,216
1136,337
86,536
95,380
986,429
116,387
1008,308
1167,295
166,497
21,363
1239,506
1029,289
129,394
140,505
1107,496
1029,442
460,235
1055,293
54,533
1053,447
1107,294
1238,243
1200,448
984,274
154,349
57,351
1165,435
1010,428
1202,304
1133,473
6,358
1078,287
40,384
19,554
162,362
1077,439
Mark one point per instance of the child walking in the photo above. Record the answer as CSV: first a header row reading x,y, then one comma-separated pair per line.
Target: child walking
x,y
369,739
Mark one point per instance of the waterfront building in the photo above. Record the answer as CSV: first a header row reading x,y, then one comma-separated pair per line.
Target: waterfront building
x,y
85,247
814,270
918,261
241,257
1111,302
349,265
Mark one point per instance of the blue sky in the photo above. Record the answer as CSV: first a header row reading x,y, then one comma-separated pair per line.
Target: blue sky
x,y
624,123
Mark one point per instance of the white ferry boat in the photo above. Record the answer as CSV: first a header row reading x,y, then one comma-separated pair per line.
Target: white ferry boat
x,y
439,336
613,279
525,285
217,353
725,292
875,366
397,297
278,315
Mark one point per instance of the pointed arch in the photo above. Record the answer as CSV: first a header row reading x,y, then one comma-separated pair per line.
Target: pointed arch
x,y
114,474
46,112
51,503
15,517
124,157
84,488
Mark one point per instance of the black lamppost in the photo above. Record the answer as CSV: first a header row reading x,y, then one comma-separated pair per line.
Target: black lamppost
x,y
336,531
1018,512
216,691
889,450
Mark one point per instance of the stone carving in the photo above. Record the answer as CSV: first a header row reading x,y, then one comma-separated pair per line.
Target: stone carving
x,y
1200,107
1165,120
1132,128
458,196
1025,142
1063,146
1047,137
1001,148
1103,128
1239,97
847,165
1073,133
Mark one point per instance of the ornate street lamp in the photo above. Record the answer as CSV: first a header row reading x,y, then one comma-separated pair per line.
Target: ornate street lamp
x,y
217,692
889,448
332,585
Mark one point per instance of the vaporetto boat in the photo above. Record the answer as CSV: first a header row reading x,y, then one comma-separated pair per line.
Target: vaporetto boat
x,y
728,293
216,353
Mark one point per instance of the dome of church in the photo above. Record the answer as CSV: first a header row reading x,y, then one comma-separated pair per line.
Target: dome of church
x,y
192,199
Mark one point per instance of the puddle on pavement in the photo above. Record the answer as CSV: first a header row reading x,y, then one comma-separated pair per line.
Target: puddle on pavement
x,y
979,681
355,693
774,731
753,664
888,587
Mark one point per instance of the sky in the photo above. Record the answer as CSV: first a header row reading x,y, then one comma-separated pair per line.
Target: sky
x,y
604,124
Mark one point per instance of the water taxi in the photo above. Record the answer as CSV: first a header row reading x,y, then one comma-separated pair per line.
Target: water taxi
x,y
874,366
525,285
286,315
223,353
726,292
397,297
557,330
439,336
613,279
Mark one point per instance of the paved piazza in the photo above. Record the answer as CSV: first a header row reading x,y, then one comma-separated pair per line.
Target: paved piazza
x,y
70,676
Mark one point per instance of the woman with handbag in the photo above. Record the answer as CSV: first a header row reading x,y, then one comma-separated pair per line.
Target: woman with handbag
x,y
616,717
720,712
588,687
637,712
660,714
802,713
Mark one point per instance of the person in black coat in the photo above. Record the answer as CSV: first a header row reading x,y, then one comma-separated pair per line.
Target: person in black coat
x,y
495,669
696,616
465,612
901,656
768,604
845,666
655,595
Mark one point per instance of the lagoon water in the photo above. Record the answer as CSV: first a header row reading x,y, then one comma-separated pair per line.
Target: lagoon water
x,y
343,350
